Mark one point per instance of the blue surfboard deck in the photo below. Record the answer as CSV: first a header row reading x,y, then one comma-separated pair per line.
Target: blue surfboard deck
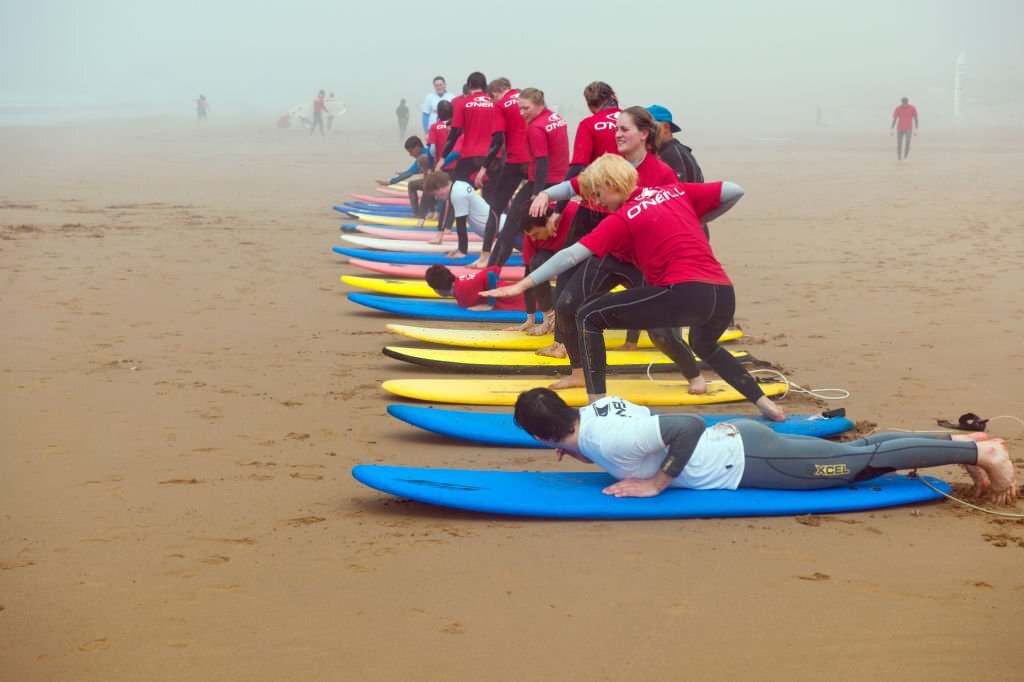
x,y
415,258
374,209
579,496
495,428
430,309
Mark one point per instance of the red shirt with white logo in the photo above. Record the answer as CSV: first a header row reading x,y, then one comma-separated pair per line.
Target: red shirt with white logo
x,y
475,116
904,115
548,135
658,229
438,136
468,287
512,123
652,172
595,136
556,243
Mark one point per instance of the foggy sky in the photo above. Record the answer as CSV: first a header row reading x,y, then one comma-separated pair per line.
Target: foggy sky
x,y
742,64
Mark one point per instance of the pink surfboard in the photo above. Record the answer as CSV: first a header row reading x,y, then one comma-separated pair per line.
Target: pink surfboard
x,y
393,192
387,201
418,271
410,234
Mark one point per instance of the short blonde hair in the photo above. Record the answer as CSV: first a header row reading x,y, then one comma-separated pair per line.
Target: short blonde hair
x,y
609,171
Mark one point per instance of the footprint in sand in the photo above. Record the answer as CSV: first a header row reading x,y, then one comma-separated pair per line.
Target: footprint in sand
x,y
816,576
95,645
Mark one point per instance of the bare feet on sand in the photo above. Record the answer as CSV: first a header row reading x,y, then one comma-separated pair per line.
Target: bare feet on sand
x,y
698,386
574,380
994,458
769,410
555,350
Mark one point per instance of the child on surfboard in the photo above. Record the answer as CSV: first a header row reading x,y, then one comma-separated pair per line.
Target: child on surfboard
x,y
466,288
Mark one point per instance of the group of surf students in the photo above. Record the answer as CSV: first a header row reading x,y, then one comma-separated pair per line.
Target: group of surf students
x,y
628,207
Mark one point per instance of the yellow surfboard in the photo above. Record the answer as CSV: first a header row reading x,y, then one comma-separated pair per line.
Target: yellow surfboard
x,y
416,288
513,340
387,220
528,362
505,391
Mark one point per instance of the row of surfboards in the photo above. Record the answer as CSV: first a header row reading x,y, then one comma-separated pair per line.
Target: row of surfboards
x,y
383,238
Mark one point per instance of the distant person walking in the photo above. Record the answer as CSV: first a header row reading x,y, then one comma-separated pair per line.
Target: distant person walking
x,y
202,106
904,120
402,112
318,113
430,103
330,105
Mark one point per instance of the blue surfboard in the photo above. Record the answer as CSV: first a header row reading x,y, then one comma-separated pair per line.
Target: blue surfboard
x,y
431,309
579,496
402,257
373,209
500,429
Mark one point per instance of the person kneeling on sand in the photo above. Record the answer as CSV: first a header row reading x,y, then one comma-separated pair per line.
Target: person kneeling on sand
x,y
649,452
466,288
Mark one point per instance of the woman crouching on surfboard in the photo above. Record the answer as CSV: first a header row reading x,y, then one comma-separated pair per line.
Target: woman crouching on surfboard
x,y
657,229
649,452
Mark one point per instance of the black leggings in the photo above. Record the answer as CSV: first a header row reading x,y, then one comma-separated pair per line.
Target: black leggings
x,y
706,309
903,136
595,277
505,186
512,231
464,169
791,462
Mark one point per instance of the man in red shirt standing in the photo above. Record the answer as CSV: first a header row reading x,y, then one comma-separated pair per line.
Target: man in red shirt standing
x,y
318,113
904,120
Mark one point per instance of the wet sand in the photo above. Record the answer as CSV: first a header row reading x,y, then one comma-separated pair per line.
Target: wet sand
x,y
185,389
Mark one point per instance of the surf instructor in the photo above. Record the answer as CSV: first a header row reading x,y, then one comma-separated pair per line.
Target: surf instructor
x,y
649,452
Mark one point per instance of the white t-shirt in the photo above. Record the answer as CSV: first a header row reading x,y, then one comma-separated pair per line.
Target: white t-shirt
x,y
625,440
466,202
430,105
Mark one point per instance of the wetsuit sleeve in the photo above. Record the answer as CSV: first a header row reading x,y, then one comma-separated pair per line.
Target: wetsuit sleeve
x,y
563,191
731,193
453,135
497,140
412,170
680,432
540,175
560,262
574,170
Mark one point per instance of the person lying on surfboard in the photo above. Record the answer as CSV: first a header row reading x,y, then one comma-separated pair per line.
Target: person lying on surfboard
x,y
657,229
466,288
648,452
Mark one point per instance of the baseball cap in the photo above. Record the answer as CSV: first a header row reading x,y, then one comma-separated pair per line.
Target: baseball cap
x,y
660,113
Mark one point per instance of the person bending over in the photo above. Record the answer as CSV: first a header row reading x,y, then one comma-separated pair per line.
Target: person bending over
x,y
649,452
468,207
657,229
466,288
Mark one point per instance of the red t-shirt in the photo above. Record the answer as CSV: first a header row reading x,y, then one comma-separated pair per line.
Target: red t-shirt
x,y
468,287
652,172
556,243
658,229
318,104
438,136
595,136
548,135
904,114
475,115
514,126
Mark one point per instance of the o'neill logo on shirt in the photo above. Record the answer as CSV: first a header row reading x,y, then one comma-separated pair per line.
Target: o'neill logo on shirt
x,y
609,124
556,122
649,197
512,101
479,103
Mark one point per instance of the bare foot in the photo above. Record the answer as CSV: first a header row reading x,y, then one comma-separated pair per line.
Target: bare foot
x,y
545,327
976,436
519,327
455,254
419,223
631,346
980,478
438,239
698,386
574,380
431,216
769,410
994,458
481,262
555,350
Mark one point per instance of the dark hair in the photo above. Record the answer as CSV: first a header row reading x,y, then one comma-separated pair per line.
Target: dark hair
x,y
643,120
439,278
543,414
439,78
413,142
435,181
600,95
476,81
529,222
499,85
444,110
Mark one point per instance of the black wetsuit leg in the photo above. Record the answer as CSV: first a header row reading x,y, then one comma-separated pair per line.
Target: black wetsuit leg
x,y
512,230
790,462
705,308
508,181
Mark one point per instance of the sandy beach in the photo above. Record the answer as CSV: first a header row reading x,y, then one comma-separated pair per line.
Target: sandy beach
x,y
185,390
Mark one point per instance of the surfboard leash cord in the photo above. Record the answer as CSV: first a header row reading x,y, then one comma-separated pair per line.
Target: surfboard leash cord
x,y
913,474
